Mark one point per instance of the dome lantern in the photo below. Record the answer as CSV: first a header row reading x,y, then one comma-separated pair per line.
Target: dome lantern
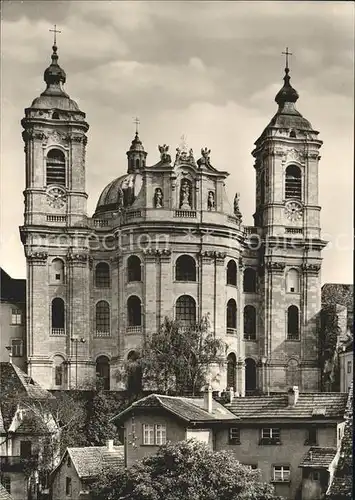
x,y
136,154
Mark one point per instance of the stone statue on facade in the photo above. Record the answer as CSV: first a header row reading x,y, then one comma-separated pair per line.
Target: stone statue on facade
x,y
158,198
210,201
185,195
237,211
164,155
205,158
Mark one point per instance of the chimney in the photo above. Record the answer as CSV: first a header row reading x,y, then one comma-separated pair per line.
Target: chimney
x,y
311,456
109,444
230,395
207,398
293,394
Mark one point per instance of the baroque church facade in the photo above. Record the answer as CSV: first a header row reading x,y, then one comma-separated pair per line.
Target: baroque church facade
x,y
165,241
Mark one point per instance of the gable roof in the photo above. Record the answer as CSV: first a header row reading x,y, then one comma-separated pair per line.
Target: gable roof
x,y
308,406
187,409
319,458
91,461
14,382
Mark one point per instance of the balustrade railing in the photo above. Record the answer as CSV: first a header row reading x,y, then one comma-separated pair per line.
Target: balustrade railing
x,y
133,330
190,214
58,332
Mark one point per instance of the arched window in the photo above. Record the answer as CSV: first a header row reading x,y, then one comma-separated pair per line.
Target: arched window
x,y
102,275
292,373
134,268
59,371
58,316
292,323
185,310
134,310
249,281
250,375
134,372
292,281
55,115
185,268
231,314
103,372
231,371
102,319
57,271
293,182
55,167
137,163
249,322
232,273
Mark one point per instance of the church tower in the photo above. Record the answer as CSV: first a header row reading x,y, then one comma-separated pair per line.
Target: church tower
x,y
289,245
55,230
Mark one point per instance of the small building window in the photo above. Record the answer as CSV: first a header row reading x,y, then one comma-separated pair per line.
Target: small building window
x,y
102,275
102,319
231,371
249,281
232,273
232,314
234,435
160,434
293,183
249,323
185,310
292,281
134,309
316,475
55,168
148,434
250,375
57,271
103,372
270,435
134,268
55,115
311,439
68,486
16,317
17,348
25,449
58,314
185,268
292,323
68,461
349,367
281,473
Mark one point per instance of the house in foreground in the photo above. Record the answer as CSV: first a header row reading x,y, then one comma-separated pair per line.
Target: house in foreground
x,y
28,434
80,466
293,438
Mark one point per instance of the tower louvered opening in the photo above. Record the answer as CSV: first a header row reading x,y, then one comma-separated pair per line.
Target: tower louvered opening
x,y
55,171
293,184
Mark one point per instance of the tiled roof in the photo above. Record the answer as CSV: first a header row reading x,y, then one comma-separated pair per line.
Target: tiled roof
x,y
16,383
90,461
188,409
4,494
320,458
309,405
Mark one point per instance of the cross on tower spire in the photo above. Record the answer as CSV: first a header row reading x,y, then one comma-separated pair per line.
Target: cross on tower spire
x,y
55,31
287,53
137,122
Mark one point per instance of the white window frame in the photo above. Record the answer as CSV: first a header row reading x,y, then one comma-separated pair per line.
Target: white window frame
x,y
271,431
234,435
349,367
17,348
281,473
148,434
16,316
160,434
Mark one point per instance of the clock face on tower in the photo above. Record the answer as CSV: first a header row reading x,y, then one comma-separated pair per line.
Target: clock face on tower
x,y
293,210
56,197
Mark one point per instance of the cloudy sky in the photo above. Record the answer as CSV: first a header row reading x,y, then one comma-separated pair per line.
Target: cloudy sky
x,y
209,70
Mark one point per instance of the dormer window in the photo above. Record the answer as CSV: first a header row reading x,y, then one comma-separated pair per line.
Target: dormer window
x,y
55,115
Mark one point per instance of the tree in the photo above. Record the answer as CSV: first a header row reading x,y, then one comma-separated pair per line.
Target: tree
x,y
187,469
99,428
176,359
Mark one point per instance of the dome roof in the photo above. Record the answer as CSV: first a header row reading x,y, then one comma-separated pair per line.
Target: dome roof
x,y
120,193
49,101
287,93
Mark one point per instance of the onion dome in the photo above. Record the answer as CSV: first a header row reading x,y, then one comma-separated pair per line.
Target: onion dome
x,y
120,193
287,93
54,95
